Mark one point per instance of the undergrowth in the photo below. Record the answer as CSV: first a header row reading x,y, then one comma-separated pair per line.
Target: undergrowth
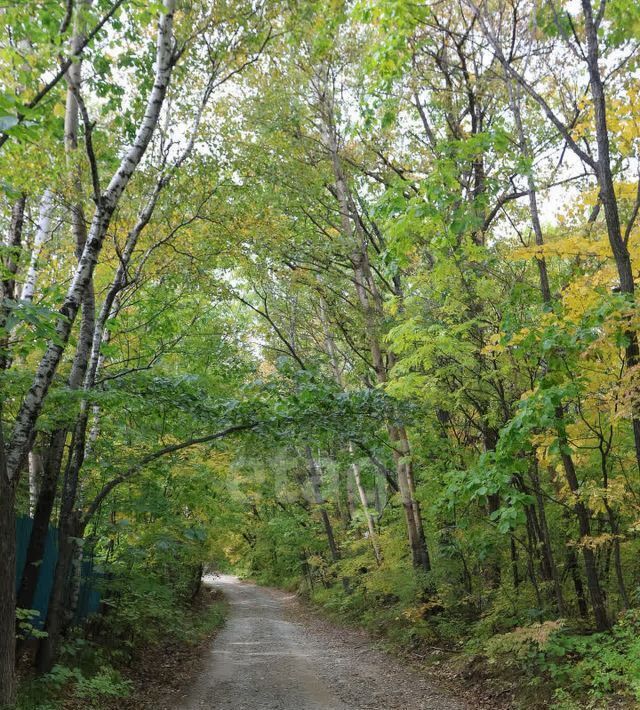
x,y
517,653
97,664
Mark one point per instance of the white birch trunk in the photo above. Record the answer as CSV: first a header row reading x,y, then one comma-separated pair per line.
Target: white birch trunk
x,y
34,399
36,467
40,237
373,537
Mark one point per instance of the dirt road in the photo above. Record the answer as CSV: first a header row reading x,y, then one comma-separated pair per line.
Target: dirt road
x,y
267,658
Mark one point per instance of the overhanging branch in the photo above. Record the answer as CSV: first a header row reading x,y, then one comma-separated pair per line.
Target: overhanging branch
x,y
153,456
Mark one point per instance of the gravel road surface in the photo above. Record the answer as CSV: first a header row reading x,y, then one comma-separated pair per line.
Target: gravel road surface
x,y
270,656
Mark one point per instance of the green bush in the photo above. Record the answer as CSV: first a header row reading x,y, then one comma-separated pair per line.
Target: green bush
x,y
64,681
593,668
580,671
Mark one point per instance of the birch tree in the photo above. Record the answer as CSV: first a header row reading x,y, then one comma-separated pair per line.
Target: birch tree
x,y
16,444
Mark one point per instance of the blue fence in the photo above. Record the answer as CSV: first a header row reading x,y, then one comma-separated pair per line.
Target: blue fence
x,y
89,599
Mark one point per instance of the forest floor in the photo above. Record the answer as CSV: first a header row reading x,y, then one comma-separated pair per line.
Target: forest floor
x,y
276,654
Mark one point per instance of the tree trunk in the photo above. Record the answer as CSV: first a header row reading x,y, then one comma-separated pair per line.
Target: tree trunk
x,y
526,151
33,401
572,567
36,471
344,503
584,525
7,483
41,520
371,305
7,587
40,237
316,487
617,562
75,582
546,539
70,528
492,572
514,562
373,536
608,198
53,463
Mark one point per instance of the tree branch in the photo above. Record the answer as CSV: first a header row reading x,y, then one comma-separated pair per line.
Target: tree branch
x,y
519,78
64,66
153,456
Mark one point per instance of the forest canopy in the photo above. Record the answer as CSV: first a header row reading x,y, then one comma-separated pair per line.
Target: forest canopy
x,y
339,295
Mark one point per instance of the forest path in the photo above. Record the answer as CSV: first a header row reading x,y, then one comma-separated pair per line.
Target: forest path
x,y
267,658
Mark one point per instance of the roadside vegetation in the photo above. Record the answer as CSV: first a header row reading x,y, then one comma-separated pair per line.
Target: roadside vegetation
x,y
106,669
340,295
